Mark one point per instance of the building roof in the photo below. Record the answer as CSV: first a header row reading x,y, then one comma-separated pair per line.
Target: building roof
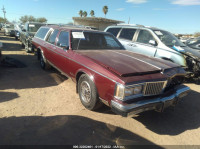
x,y
97,19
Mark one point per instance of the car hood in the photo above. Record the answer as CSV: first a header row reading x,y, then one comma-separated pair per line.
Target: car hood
x,y
125,63
191,52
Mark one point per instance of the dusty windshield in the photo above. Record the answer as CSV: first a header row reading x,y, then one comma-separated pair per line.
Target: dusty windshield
x,y
94,41
10,26
34,27
168,39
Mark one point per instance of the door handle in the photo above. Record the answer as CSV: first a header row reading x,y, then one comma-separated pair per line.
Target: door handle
x,y
132,45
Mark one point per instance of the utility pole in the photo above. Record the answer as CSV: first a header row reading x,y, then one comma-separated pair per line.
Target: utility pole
x,y
129,20
4,12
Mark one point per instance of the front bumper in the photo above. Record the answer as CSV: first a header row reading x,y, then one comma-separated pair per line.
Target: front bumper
x,y
158,104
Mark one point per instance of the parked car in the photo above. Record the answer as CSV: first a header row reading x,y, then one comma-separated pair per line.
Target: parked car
x,y
18,30
158,43
1,45
28,32
194,43
104,72
184,39
1,26
9,30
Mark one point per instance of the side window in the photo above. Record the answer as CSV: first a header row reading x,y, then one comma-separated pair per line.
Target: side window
x,y
144,37
110,41
127,33
114,31
63,39
53,36
25,27
42,33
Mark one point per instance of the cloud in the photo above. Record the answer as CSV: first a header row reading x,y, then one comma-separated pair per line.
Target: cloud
x,y
120,9
136,1
186,2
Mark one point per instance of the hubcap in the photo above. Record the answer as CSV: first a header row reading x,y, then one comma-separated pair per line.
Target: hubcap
x,y
85,92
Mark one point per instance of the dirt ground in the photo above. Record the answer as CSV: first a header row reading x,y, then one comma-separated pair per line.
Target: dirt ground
x,y
42,107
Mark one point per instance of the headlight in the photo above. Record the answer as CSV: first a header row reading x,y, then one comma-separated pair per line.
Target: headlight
x,y
123,92
135,90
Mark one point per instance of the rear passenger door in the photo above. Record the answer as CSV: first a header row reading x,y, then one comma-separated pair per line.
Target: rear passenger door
x,y
51,47
142,43
126,38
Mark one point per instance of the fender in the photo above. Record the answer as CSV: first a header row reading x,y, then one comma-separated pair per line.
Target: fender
x,y
176,58
79,73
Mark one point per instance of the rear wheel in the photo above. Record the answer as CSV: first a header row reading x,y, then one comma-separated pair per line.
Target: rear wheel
x,y
88,93
43,62
22,45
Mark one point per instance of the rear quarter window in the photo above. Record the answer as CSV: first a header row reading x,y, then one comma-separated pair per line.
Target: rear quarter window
x,y
114,31
42,33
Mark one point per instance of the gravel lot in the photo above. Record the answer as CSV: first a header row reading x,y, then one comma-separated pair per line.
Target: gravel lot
x,y
42,107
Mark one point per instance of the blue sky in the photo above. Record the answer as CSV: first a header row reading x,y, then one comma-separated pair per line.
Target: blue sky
x,y
177,16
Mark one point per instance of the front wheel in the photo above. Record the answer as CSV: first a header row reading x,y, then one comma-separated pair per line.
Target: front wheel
x,y
88,93
28,48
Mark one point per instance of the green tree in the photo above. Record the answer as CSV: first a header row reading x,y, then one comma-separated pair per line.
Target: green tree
x,y
92,13
32,19
42,20
23,19
197,34
81,13
2,20
85,14
105,10
26,18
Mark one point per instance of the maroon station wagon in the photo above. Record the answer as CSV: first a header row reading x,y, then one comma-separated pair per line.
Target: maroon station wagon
x,y
104,72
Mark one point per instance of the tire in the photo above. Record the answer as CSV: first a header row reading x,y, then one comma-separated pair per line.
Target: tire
x,y
27,48
23,46
43,63
85,85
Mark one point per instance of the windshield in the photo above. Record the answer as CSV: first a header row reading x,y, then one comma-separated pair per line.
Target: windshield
x,y
94,41
10,26
34,27
168,39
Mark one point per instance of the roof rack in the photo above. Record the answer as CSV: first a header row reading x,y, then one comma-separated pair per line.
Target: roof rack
x,y
139,25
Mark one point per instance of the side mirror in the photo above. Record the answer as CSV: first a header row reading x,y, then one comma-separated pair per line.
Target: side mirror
x,y
24,30
153,42
65,47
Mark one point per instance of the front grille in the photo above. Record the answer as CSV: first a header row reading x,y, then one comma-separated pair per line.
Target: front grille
x,y
154,88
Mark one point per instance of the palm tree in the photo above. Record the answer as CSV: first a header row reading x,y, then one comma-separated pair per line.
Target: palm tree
x,y
85,14
81,13
105,10
92,13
